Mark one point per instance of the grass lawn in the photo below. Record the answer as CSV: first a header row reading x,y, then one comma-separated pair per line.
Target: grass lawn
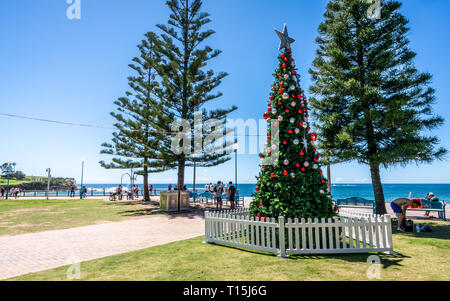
x,y
422,256
27,215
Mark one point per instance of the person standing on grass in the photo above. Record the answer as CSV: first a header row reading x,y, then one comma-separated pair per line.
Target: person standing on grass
x,y
72,191
219,189
232,195
2,192
400,206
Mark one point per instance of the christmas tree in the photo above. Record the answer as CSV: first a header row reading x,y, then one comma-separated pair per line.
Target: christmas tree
x,y
293,186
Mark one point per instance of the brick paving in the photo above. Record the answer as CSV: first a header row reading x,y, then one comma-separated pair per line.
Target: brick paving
x,y
27,253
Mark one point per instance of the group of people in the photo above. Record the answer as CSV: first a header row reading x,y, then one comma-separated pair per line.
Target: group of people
x,y
219,189
129,193
176,188
13,192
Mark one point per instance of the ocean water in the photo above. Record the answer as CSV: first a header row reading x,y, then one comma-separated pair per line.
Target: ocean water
x,y
339,191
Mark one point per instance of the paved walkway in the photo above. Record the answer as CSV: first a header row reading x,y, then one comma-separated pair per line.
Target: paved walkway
x,y
27,253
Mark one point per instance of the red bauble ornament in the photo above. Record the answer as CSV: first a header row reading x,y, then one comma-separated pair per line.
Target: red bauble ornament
x,y
323,181
280,103
304,109
282,56
280,91
289,50
271,97
287,110
299,97
314,150
300,111
279,75
294,72
261,156
313,137
285,59
315,160
258,216
297,165
308,128
266,116
270,138
302,169
284,65
257,189
284,142
302,153
320,171
285,173
272,175
292,96
260,204
281,85
290,131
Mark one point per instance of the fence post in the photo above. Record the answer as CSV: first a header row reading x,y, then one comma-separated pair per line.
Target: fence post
x,y
207,214
281,237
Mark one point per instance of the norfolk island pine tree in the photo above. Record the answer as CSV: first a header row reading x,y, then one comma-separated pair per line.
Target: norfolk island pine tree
x,y
186,86
294,185
368,89
134,145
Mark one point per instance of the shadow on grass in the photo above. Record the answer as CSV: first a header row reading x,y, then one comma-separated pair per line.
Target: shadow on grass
x,y
441,230
387,260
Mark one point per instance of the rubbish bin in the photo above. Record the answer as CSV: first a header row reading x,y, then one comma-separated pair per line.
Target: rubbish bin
x,y
169,200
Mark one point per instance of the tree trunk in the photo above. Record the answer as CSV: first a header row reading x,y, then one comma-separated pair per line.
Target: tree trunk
x,y
146,194
181,167
377,188
329,178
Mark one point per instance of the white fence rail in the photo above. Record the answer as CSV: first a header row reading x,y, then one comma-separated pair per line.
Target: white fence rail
x,y
348,233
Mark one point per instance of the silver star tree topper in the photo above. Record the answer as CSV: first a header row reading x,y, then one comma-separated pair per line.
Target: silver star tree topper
x,y
286,41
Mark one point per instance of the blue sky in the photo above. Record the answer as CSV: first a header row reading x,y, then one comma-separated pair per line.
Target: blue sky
x,y
72,70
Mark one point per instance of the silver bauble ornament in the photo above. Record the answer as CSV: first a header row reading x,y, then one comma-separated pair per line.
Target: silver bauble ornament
x,y
286,162
293,104
297,131
285,96
274,111
296,141
305,125
292,88
286,76
306,164
315,166
274,146
292,175
292,120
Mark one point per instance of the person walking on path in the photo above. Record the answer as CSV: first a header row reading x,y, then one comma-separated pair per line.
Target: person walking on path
x,y
400,206
219,190
232,195
2,192
150,189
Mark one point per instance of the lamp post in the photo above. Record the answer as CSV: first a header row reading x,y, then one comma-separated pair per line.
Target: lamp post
x,y
9,169
235,147
48,181
82,174
195,166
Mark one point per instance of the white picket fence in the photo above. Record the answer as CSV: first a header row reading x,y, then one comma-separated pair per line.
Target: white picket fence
x,y
349,233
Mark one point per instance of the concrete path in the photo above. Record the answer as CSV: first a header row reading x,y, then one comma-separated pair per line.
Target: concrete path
x,y
27,253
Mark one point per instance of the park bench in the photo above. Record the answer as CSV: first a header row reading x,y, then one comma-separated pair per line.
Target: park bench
x,y
432,206
356,202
